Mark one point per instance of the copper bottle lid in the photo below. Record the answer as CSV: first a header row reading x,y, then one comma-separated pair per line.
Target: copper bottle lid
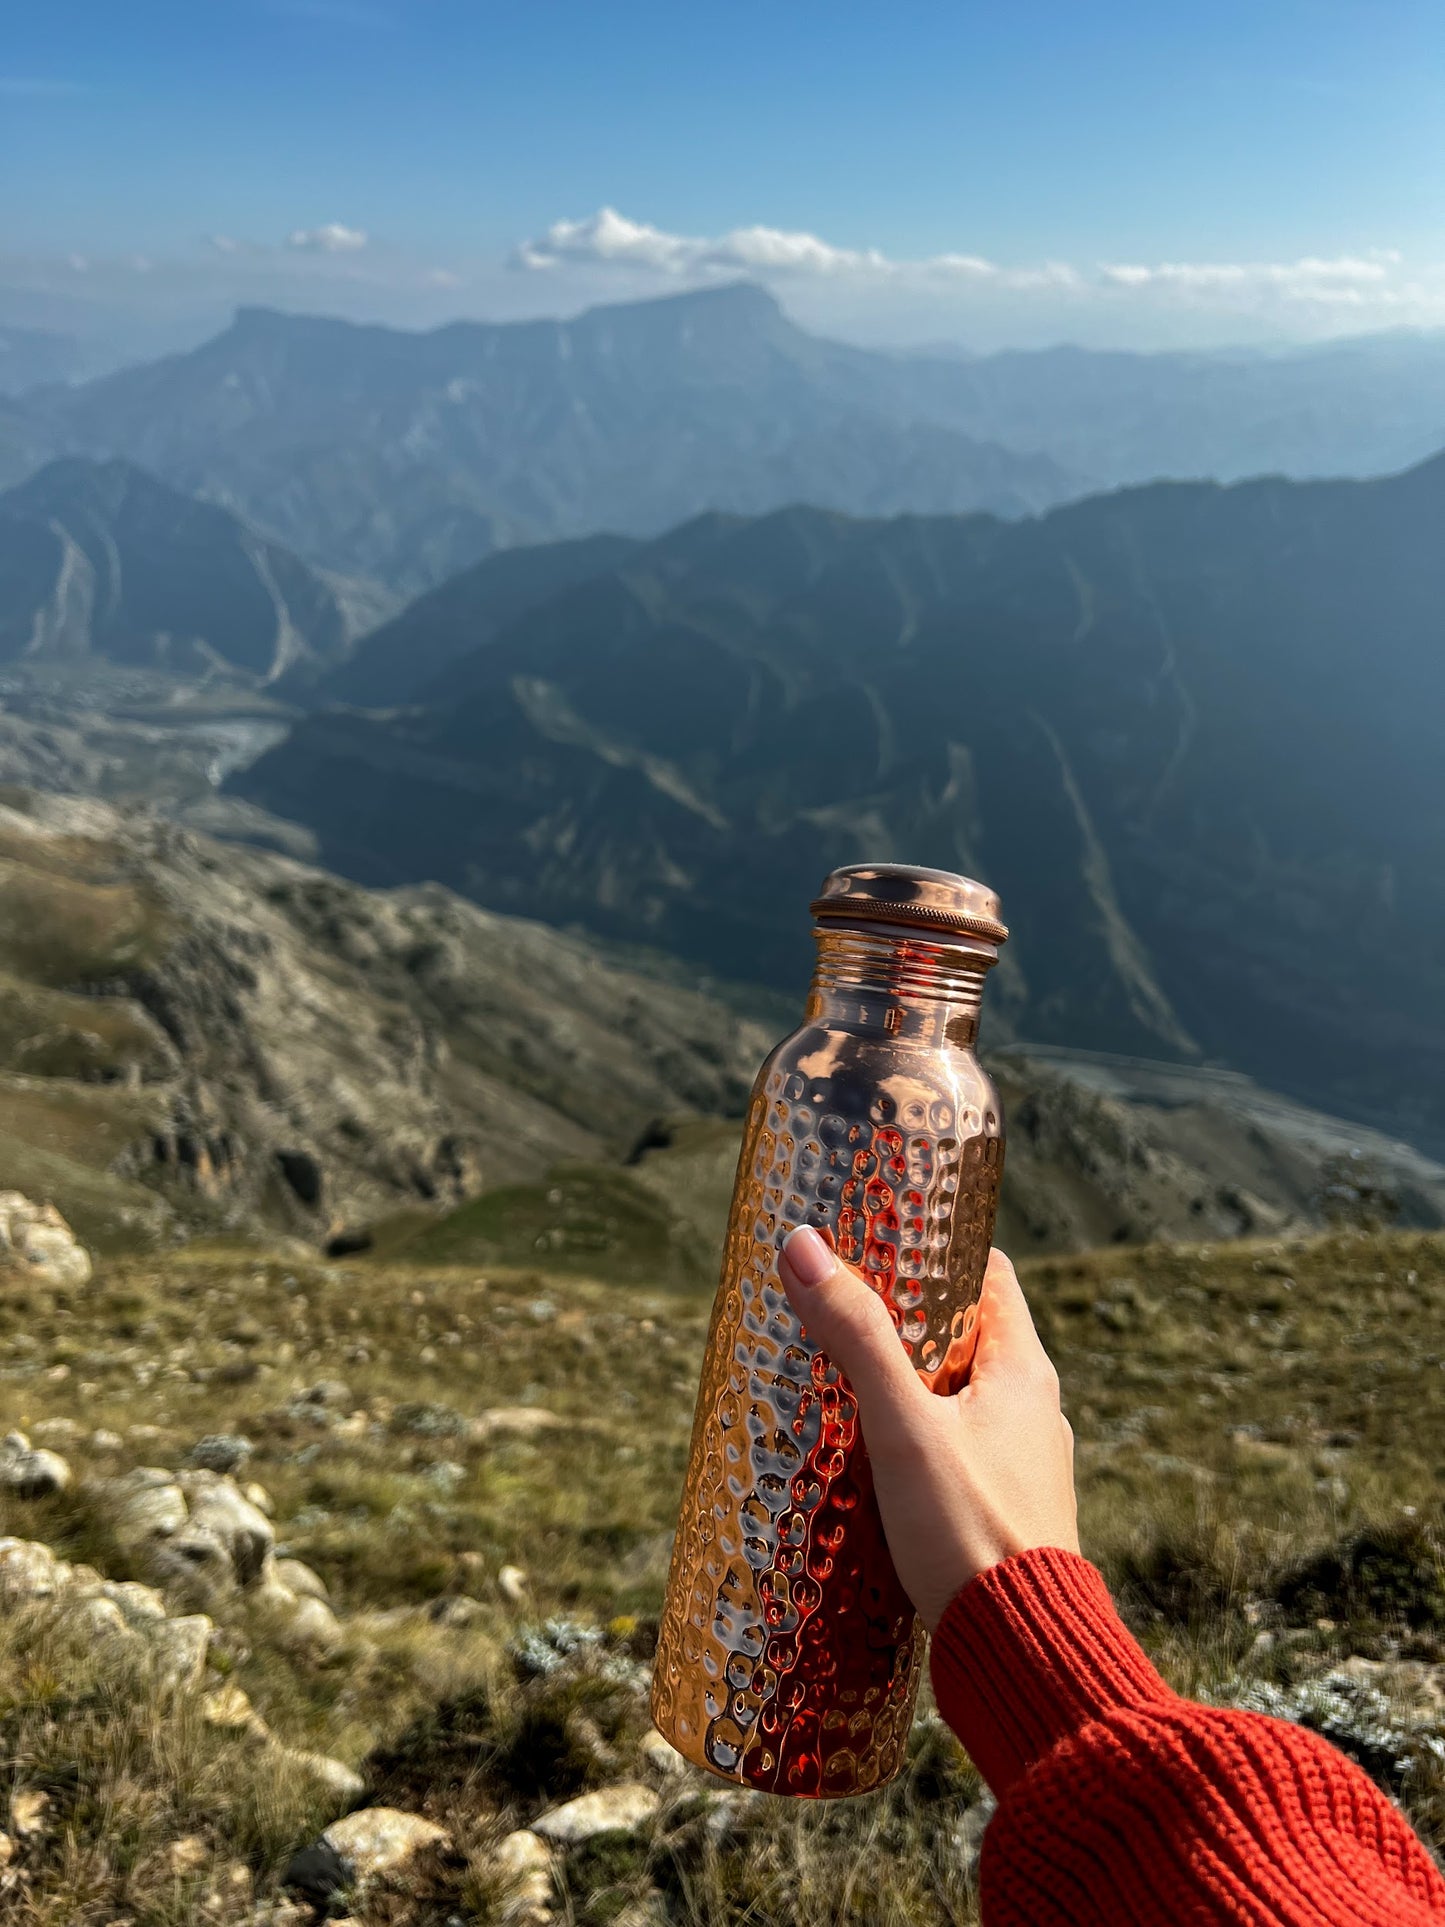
x,y
905,893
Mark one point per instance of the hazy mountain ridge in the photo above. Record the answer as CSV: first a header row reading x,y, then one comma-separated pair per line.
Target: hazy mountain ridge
x,y
1190,732
100,561
407,456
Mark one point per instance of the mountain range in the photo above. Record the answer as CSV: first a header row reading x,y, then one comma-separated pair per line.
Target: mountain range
x,y
404,456
1190,732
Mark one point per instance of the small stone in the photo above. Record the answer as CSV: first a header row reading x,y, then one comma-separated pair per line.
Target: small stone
x,y
103,1444
141,1605
613,1809
968,1834
456,1611
181,1647
661,1755
219,1504
512,1585
220,1452
229,1710
29,1814
187,1854
101,1617
259,1497
339,1780
363,1846
146,1504
29,1570
514,1421
60,1433
29,1472
524,1861
523,1852
310,1627
58,1374
300,1579
37,1246
194,1565
334,1392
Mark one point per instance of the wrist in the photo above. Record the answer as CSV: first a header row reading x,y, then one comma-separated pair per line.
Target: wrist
x,y
1027,1653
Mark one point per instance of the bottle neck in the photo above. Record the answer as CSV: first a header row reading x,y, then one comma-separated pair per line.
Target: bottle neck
x,y
897,982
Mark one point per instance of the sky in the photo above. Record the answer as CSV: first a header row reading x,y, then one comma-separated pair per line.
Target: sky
x,y
1112,173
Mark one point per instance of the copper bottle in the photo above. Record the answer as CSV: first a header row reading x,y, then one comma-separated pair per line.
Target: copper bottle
x,y
789,1655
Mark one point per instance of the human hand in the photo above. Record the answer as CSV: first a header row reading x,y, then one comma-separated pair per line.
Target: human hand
x,y
963,1480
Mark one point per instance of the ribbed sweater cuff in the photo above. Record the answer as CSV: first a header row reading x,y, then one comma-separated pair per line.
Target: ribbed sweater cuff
x,y
1028,1653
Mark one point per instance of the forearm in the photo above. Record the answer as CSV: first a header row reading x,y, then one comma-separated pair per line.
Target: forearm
x,y
1119,1801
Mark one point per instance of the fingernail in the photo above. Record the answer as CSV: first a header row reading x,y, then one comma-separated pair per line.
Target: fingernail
x,y
807,1257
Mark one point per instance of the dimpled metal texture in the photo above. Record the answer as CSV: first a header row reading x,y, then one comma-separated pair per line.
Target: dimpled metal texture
x,y
789,1656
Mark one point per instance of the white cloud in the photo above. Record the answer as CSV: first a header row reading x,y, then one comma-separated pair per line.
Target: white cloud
x,y
1346,278
331,238
1335,288
608,238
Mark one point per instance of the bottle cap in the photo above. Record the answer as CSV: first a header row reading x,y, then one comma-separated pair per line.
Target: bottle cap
x,y
905,893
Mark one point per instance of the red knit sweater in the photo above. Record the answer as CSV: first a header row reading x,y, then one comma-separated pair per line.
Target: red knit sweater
x,y
1120,1803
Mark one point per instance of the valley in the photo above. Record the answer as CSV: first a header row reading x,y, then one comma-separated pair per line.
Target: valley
x,y
1176,727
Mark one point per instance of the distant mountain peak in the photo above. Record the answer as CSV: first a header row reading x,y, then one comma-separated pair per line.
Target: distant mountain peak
x,y
737,298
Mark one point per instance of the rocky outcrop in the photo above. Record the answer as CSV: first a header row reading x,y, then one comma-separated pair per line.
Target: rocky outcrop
x,y
201,1538
176,1647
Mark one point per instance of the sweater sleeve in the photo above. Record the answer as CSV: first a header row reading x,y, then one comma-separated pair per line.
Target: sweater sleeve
x,y
1121,1802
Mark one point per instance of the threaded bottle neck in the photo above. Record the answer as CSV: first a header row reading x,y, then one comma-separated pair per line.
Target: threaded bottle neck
x,y
899,982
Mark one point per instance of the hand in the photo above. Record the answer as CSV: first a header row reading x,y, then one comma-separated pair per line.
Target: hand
x,y
965,1480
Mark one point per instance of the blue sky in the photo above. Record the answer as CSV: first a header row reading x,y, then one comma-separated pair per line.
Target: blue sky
x,y
1028,172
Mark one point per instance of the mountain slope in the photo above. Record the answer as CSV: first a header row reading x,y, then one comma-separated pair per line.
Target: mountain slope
x,y
216,1036
408,456
198,1038
397,662
99,560
1191,733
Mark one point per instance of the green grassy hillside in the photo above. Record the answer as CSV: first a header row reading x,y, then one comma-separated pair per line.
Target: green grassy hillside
x,y
1261,1440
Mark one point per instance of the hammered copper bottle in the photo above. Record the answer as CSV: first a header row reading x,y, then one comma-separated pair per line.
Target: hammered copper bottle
x,y
789,1655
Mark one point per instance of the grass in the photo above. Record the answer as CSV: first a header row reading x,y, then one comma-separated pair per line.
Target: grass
x,y
69,929
66,1141
50,1033
1261,1439
586,1220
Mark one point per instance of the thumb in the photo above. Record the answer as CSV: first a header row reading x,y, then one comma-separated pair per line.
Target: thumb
x,y
848,1320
